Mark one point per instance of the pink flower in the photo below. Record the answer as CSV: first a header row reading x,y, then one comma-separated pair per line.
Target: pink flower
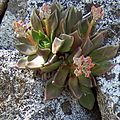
x,y
97,12
83,65
45,11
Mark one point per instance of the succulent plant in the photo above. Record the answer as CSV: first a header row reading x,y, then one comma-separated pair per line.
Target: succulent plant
x,y
61,41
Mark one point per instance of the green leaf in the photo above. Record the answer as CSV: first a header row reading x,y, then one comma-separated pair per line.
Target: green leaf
x,y
68,42
56,45
77,40
36,36
104,53
71,20
98,40
87,46
26,49
74,87
101,68
35,61
24,40
22,63
51,67
52,91
87,99
44,53
35,21
85,81
52,23
60,76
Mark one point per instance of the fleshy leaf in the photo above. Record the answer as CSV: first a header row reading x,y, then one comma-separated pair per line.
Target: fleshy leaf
x,y
26,49
104,53
36,36
52,91
85,81
71,19
60,76
98,40
52,23
87,99
56,45
35,61
74,87
101,68
77,39
22,62
51,67
24,40
87,46
35,21
68,42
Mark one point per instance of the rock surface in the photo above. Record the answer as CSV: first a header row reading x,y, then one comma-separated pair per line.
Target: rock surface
x,y
22,96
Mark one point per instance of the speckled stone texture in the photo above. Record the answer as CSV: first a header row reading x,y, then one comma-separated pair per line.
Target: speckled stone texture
x,y
21,95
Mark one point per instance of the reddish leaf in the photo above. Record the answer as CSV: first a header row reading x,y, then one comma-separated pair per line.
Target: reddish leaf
x,y
74,87
52,91
85,81
60,76
104,53
101,68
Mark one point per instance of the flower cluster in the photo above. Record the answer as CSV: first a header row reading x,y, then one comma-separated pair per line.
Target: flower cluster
x,y
97,12
83,66
21,28
45,11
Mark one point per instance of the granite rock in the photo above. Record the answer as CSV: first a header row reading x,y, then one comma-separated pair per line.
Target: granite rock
x,y
21,96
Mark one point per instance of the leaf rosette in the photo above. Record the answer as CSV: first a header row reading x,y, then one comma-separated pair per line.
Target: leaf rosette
x,y
61,41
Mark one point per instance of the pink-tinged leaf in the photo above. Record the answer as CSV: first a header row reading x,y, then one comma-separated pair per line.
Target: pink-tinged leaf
x,y
87,99
74,87
85,81
104,53
60,76
22,63
101,68
68,42
56,45
26,49
98,39
77,40
35,21
87,46
24,40
52,91
52,23
35,61
44,52
51,67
